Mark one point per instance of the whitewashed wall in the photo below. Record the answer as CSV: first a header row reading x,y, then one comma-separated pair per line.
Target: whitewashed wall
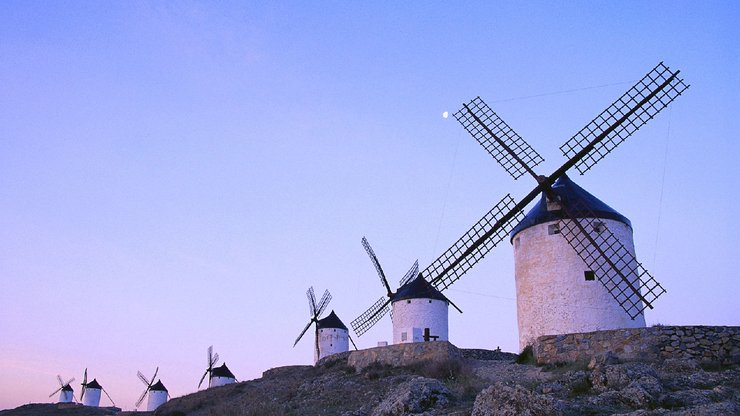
x,y
332,341
92,397
156,399
65,396
553,296
411,316
220,381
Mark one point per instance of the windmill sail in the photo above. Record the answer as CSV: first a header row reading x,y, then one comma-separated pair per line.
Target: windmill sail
x,y
515,155
626,115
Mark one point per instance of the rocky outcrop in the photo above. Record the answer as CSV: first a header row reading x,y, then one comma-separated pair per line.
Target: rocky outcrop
x,y
502,400
415,396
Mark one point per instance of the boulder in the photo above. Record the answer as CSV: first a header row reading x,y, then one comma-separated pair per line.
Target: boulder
x,y
415,396
503,400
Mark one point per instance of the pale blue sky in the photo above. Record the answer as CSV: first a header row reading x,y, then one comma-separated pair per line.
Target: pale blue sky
x,y
176,175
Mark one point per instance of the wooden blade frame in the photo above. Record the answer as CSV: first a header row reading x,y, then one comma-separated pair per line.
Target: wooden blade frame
x,y
632,110
616,268
490,230
371,316
496,136
376,263
411,274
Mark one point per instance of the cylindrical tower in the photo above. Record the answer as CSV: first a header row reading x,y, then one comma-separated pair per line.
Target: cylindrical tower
x,y
66,394
92,394
221,376
556,291
333,336
419,313
157,396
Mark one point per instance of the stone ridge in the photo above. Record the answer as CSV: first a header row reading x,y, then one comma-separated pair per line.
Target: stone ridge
x,y
719,344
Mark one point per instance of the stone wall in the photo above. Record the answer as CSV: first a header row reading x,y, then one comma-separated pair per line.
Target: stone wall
x,y
403,354
703,343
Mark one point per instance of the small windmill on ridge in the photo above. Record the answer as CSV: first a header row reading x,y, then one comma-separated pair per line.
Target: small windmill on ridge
x,y
157,392
552,294
217,376
331,336
66,393
418,310
93,389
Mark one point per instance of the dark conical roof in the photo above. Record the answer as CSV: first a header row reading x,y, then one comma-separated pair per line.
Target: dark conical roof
x,y
158,386
67,387
568,192
331,321
418,288
222,371
93,385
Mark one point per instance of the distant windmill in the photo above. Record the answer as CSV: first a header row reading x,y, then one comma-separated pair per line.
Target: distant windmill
x,y
596,251
66,393
157,392
419,311
217,376
331,335
93,389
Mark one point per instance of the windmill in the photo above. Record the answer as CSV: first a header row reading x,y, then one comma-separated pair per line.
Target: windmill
x,y
607,258
337,336
93,389
157,392
217,376
66,393
419,311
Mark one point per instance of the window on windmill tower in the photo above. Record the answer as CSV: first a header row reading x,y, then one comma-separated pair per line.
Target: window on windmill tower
x,y
589,275
516,242
408,301
553,229
403,336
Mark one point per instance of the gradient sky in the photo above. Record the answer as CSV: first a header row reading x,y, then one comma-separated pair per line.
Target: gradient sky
x,y
175,175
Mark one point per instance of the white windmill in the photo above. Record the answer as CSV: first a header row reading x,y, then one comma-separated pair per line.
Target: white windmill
x,y
66,393
217,376
557,292
331,336
158,394
90,394
418,310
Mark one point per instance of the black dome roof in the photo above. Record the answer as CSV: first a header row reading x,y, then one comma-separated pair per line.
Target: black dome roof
x,y
418,288
158,386
222,371
331,321
93,385
568,192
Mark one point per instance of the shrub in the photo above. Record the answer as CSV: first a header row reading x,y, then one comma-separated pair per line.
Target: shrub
x,y
526,356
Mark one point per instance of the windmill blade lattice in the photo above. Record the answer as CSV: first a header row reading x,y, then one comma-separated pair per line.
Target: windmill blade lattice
x,y
147,383
370,317
323,303
614,265
496,136
376,263
626,115
411,274
490,230
62,384
311,301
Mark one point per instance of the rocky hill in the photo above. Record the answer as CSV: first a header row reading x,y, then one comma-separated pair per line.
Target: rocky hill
x,y
648,371
443,380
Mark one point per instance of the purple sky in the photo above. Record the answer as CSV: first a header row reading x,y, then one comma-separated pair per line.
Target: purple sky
x,y
176,176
